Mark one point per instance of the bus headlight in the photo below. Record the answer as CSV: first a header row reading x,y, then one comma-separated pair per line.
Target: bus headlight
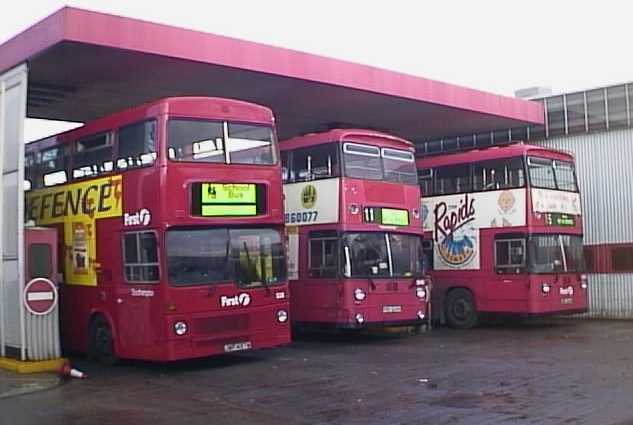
x,y
180,328
546,288
282,316
421,315
359,294
420,292
584,285
420,282
360,319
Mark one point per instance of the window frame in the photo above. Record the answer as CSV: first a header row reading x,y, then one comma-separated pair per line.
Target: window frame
x,y
110,143
274,143
286,166
505,162
428,252
528,163
386,238
226,152
293,172
229,260
529,158
58,171
124,264
117,147
323,238
429,178
346,144
510,268
436,175
573,170
384,155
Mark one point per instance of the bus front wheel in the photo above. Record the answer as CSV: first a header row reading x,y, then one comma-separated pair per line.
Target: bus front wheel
x,y
101,343
461,311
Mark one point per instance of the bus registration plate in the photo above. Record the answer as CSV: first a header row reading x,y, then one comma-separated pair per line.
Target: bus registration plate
x,y
238,346
566,300
391,309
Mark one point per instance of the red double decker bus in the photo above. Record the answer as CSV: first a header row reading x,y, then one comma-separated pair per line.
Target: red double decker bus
x,y
354,230
504,230
171,230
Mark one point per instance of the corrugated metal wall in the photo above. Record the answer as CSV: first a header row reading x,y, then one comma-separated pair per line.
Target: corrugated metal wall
x,y
42,336
610,296
604,163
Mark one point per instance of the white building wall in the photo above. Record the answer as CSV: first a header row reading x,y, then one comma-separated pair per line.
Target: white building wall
x,y
604,165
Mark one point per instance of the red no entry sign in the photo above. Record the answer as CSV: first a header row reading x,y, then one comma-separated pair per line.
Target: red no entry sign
x,y
40,296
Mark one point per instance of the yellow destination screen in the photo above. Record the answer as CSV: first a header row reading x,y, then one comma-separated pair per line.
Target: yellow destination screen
x,y
225,199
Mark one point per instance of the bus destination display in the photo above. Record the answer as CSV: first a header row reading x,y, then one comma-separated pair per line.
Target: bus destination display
x,y
225,199
386,216
556,219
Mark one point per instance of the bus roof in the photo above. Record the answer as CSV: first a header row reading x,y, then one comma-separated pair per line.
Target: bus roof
x,y
341,134
493,152
190,107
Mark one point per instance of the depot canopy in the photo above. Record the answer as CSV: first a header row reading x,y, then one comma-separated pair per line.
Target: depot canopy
x,y
83,65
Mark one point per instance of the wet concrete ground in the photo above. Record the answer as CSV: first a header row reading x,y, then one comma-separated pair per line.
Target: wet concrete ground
x,y
545,372
13,384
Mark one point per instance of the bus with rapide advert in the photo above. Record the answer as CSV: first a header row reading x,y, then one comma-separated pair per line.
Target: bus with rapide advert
x,y
354,230
504,229
171,231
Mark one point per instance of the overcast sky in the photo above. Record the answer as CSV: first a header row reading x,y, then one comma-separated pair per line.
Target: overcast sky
x,y
496,46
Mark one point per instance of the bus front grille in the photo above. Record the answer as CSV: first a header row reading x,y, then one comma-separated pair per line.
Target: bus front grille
x,y
213,325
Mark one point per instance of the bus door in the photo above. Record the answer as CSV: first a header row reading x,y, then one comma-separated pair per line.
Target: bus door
x,y
139,313
509,285
317,296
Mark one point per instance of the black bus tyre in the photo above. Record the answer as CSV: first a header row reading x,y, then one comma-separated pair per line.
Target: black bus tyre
x,y
461,312
101,343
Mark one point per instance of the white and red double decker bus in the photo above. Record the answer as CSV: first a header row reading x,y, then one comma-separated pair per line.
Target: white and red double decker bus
x,y
354,230
504,230
171,230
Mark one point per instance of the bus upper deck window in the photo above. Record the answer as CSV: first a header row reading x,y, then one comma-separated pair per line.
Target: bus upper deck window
x,y
137,145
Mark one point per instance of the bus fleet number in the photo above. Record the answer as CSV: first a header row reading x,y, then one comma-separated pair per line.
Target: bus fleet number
x,y
301,217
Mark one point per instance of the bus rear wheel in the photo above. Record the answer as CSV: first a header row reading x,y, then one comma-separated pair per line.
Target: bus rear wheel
x,y
461,312
101,343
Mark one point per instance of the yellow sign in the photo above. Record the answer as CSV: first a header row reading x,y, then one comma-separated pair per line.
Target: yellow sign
x,y
76,207
308,196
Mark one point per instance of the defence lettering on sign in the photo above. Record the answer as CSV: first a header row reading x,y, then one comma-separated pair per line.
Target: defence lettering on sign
x,y
77,206
95,199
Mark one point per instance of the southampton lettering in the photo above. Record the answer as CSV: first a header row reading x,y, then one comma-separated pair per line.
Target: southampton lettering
x,y
448,222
